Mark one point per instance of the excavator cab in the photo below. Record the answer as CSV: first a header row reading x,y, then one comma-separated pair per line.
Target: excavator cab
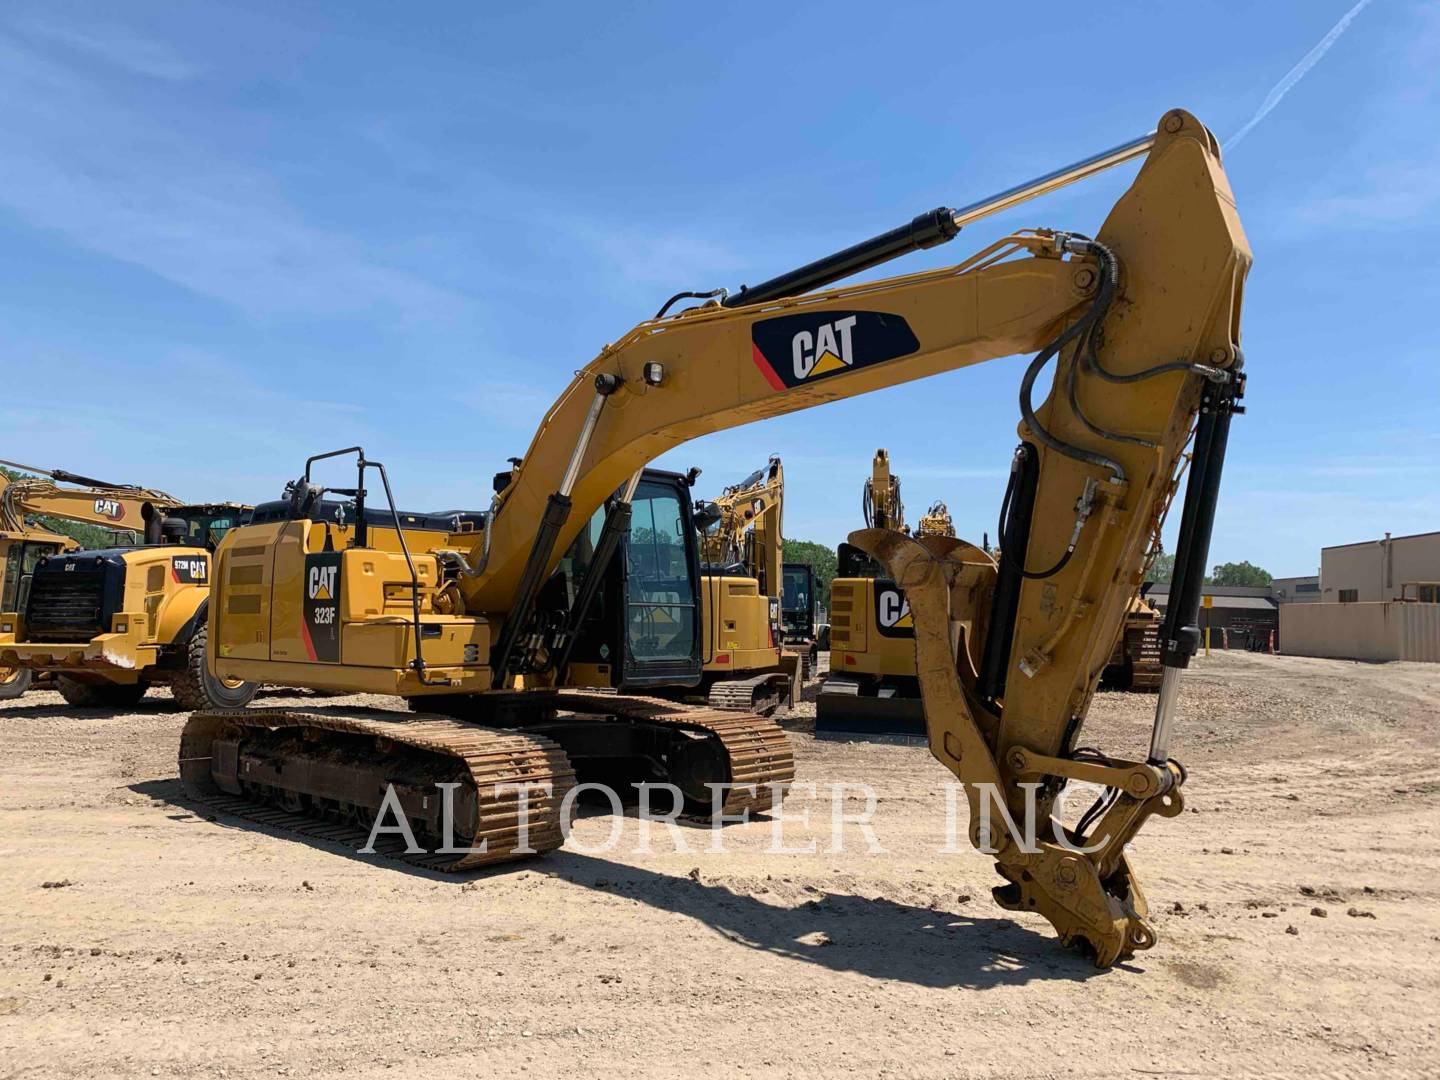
x,y
643,628
797,603
21,557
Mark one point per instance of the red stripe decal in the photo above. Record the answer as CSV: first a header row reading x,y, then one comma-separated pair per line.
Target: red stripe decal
x,y
305,635
765,368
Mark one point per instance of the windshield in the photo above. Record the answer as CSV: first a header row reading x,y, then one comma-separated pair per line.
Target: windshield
x,y
797,588
660,617
202,529
854,563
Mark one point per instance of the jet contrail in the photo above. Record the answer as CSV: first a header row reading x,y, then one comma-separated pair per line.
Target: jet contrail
x,y
1298,72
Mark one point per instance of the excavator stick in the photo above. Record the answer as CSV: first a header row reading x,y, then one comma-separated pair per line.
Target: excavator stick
x,y
1088,893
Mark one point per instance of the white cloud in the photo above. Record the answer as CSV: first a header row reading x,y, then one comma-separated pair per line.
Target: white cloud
x,y
76,161
1393,193
116,45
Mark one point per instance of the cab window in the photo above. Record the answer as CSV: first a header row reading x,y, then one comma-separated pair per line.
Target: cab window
x,y
660,598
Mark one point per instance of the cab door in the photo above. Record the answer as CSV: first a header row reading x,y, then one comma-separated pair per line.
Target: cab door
x,y
20,562
661,587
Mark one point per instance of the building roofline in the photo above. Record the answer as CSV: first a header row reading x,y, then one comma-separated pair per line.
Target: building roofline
x,y
1381,540
1162,588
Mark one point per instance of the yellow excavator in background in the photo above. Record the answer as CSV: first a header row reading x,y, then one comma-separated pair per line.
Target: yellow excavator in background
x,y
1142,324
746,664
871,689
936,522
1135,662
880,501
104,625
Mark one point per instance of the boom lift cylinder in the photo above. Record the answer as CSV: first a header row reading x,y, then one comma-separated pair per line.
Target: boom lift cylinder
x,y
557,513
1180,634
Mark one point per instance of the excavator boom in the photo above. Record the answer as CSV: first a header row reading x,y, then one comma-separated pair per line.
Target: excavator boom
x,y
881,505
93,502
751,508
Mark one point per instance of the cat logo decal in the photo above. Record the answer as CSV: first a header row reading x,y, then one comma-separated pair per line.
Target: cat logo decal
x,y
793,349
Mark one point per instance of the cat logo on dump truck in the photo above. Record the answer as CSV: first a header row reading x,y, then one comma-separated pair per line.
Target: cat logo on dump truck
x,y
321,628
110,508
189,570
793,349
892,611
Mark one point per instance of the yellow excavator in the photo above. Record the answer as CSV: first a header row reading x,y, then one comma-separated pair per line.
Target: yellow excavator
x,y
936,522
1135,662
872,689
1142,325
104,625
746,664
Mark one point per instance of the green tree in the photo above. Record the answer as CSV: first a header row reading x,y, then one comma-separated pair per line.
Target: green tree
x,y
1241,573
1162,569
820,559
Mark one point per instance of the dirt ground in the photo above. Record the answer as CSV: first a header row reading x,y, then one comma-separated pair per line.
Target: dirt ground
x,y
1296,902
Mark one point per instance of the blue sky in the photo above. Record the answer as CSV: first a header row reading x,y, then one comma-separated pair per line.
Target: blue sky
x,y
239,234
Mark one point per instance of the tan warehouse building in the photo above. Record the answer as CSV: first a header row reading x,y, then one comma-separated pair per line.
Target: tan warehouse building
x,y
1369,609
1395,568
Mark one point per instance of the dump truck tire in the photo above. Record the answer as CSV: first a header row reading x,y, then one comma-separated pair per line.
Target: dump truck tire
x,y
195,688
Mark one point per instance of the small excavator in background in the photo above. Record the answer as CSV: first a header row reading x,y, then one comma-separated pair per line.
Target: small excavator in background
x,y
936,522
1135,663
477,629
872,689
747,666
103,625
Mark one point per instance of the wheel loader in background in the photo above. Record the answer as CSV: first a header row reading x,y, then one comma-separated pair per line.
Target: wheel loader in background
x,y
1142,323
24,543
871,689
103,625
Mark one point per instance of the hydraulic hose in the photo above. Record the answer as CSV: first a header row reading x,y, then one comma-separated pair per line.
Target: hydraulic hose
x,y
1078,245
688,295
1090,426
1004,532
